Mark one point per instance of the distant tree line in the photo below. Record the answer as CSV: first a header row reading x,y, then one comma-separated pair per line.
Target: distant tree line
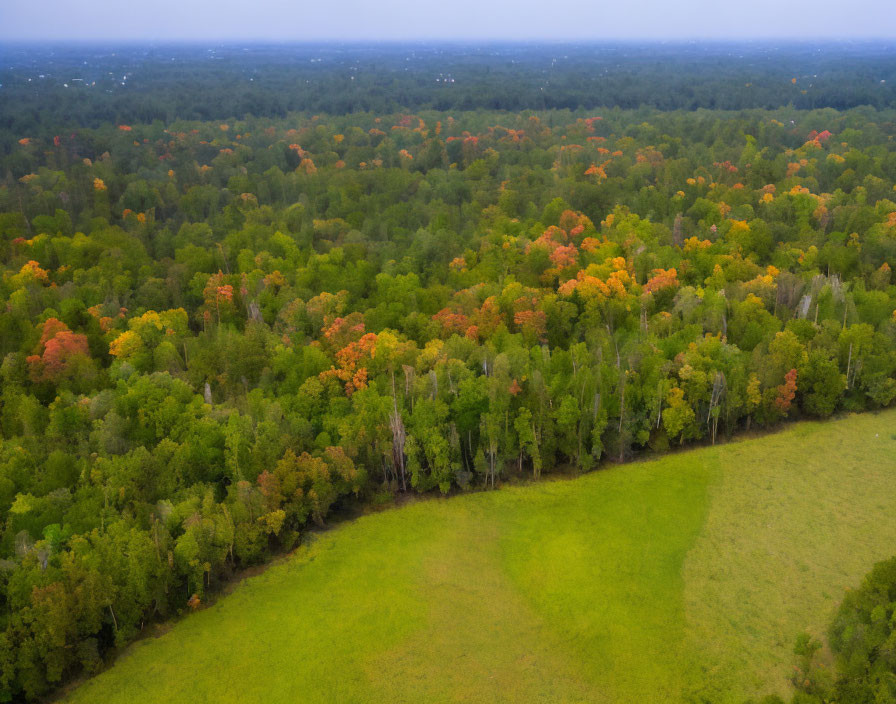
x,y
56,87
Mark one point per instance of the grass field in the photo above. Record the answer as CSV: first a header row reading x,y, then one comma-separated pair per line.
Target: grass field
x,y
681,579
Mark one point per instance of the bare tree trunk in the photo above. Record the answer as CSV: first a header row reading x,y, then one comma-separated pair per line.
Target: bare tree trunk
x,y
849,366
621,418
224,257
24,216
398,437
718,388
677,231
536,469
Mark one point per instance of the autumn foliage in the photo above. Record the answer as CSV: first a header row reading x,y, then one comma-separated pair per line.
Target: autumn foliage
x,y
786,392
57,352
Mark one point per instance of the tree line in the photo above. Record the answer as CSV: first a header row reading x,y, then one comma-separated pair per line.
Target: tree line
x,y
60,86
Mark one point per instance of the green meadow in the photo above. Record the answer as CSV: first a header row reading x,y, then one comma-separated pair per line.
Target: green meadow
x,y
685,578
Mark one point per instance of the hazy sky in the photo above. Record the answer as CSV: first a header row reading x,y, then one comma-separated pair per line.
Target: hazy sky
x,y
455,19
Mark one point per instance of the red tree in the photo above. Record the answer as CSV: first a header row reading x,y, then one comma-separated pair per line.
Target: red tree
x,y
57,349
786,392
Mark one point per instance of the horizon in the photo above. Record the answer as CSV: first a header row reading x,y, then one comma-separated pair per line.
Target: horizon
x,y
450,41
469,21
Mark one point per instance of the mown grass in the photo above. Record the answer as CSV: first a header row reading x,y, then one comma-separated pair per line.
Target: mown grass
x,y
681,579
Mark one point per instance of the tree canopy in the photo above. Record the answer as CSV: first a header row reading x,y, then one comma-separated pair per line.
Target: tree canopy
x,y
216,331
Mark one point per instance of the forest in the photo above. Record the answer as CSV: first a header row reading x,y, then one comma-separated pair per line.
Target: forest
x,y
223,320
51,86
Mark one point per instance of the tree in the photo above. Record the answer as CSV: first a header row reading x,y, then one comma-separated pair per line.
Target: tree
x,y
678,416
822,384
528,442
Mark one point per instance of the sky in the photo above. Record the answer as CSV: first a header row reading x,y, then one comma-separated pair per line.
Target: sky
x,y
390,20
